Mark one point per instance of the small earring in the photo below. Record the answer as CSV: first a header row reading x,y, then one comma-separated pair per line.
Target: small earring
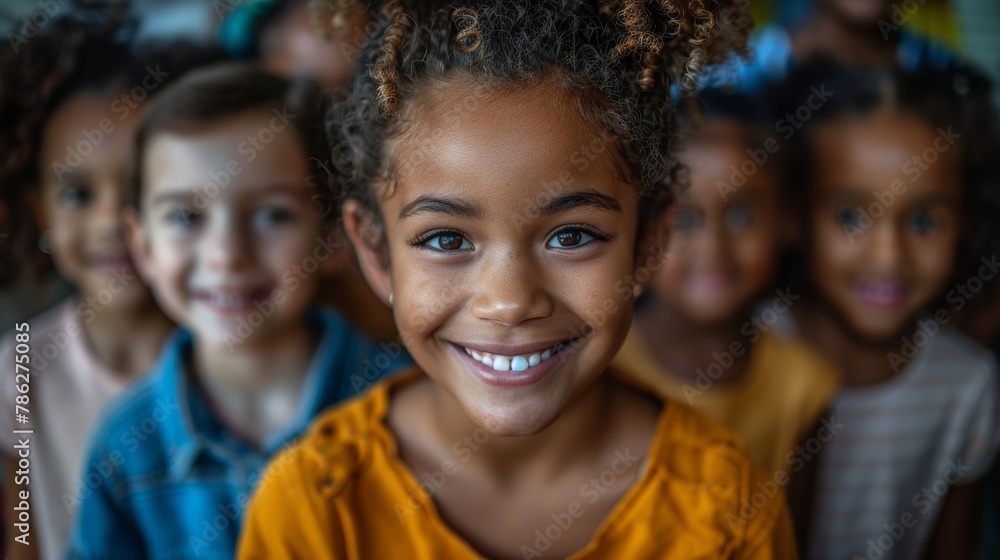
x,y
636,291
43,242
390,300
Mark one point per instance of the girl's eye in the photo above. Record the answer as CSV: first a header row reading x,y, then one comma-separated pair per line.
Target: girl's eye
x,y
572,237
848,216
182,217
272,216
922,223
684,219
738,218
74,197
447,241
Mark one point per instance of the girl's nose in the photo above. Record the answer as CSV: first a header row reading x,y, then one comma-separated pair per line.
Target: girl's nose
x,y
510,292
885,246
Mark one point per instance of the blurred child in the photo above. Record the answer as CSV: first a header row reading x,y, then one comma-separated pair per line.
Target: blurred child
x,y
696,337
507,254
900,181
316,39
68,111
223,230
854,33
319,39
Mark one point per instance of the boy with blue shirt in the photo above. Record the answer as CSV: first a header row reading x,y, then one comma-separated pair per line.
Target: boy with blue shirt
x,y
222,219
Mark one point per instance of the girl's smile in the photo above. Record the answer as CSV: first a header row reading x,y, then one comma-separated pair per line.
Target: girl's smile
x,y
515,366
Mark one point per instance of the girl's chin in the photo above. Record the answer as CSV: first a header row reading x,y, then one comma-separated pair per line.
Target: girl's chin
x,y
512,422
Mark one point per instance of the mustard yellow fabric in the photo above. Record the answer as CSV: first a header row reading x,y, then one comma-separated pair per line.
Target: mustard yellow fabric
x,y
335,495
783,392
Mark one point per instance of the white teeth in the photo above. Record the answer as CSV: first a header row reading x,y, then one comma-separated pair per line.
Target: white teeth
x,y
229,300
515,363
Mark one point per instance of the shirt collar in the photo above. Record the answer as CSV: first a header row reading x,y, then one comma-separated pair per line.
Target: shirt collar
x,y
190,428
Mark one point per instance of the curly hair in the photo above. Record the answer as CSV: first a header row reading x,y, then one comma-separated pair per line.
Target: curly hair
x,y
617,59
957,98
87,49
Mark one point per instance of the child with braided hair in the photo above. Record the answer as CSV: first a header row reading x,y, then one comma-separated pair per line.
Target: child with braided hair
x,y
502,170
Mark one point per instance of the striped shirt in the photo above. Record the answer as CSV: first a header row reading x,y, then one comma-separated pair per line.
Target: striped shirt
x,y
900,446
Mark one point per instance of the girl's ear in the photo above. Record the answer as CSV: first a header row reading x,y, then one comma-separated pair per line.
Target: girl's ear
x,y
367,237
137,241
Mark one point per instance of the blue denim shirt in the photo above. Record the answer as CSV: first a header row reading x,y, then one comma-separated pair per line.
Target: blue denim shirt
x,y
164,478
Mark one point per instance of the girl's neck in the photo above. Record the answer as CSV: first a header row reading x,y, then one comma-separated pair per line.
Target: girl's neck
x,y
126,339
691,347
860,363
847,44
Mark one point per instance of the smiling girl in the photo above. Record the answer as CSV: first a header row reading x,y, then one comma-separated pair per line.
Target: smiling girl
x,y
902,186
503,250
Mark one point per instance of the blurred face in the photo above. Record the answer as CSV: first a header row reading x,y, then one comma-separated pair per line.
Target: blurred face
x,y
857,12
885,219
507,261
226,237
724,244
295,48
84,153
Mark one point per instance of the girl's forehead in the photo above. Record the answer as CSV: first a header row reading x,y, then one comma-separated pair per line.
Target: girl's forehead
x,y
528,135
85,137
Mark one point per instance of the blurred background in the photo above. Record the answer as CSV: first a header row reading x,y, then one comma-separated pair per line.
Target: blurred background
x,y
969,27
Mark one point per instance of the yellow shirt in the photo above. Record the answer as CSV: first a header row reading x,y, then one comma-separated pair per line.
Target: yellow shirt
x,y
336,494
781,395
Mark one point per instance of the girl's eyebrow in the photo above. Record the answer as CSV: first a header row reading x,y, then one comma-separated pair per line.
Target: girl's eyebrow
x,y
435,205
580,198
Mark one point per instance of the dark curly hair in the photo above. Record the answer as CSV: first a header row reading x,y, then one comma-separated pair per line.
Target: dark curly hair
x,y
958,98
617,59
89,48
